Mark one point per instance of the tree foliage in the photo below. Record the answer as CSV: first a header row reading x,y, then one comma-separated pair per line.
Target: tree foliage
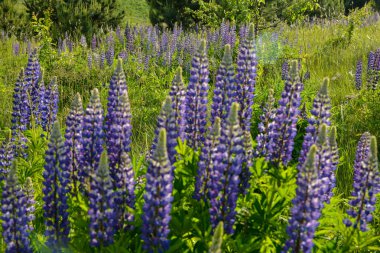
x,y
76,17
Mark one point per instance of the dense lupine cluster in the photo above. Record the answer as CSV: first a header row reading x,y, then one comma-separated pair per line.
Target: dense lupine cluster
x,y
15,218
94,158
366,183
358,75
158,198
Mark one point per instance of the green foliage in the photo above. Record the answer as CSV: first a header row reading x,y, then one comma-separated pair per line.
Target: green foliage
x,y
77,17
11,17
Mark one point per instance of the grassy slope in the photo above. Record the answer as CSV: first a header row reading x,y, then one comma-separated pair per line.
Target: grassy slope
x,y
136,11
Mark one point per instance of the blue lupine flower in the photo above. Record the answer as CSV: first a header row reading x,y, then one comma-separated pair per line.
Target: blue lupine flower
x,y
285,70
32,85
49,113
358,75
226,169
118,126
6,158
326,173
247,163
74,142
205,164
268,116
92,139
282,130
125,193
14,216
366,183
166,120
55,192
178,96
319,114
246,79
197,99
224,92
306,208
158,199
30,202
102,210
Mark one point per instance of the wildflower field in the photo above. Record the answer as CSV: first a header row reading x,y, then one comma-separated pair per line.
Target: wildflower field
x,y
227,139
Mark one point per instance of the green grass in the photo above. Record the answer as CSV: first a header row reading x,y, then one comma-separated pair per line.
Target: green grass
x,y
136,11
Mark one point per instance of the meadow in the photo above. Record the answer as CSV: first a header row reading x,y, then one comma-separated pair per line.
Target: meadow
x,y
209,140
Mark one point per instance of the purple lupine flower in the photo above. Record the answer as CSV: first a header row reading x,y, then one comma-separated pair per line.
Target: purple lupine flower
x,y
102,59
178,96
326,173
166,120
16,48
334,148
306,208
83,41
282,130
125,195
268,116
366,183
158,199
226,169
110,54
246,79
30,202
6,158
247,163
319,114
197,99
18,122
73,146
285,70
205,164
102,210
32,85
119,133
93,43
224,92
92,140
358,75
42,106
370,69
14,216
49,116
89,60
55,192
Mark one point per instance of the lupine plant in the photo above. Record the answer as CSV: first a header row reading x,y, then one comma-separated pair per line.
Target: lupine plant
x,y
56,188
15,218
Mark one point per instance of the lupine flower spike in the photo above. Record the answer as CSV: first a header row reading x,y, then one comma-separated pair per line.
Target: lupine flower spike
x,y
269,113
205,161
282,130
319,114
166,120
74,142
197,99
246,79
158,199
358,75
15,216
92,139
227,163
306,208
55,192
178,96
224,91
30,202
366,183
102,210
